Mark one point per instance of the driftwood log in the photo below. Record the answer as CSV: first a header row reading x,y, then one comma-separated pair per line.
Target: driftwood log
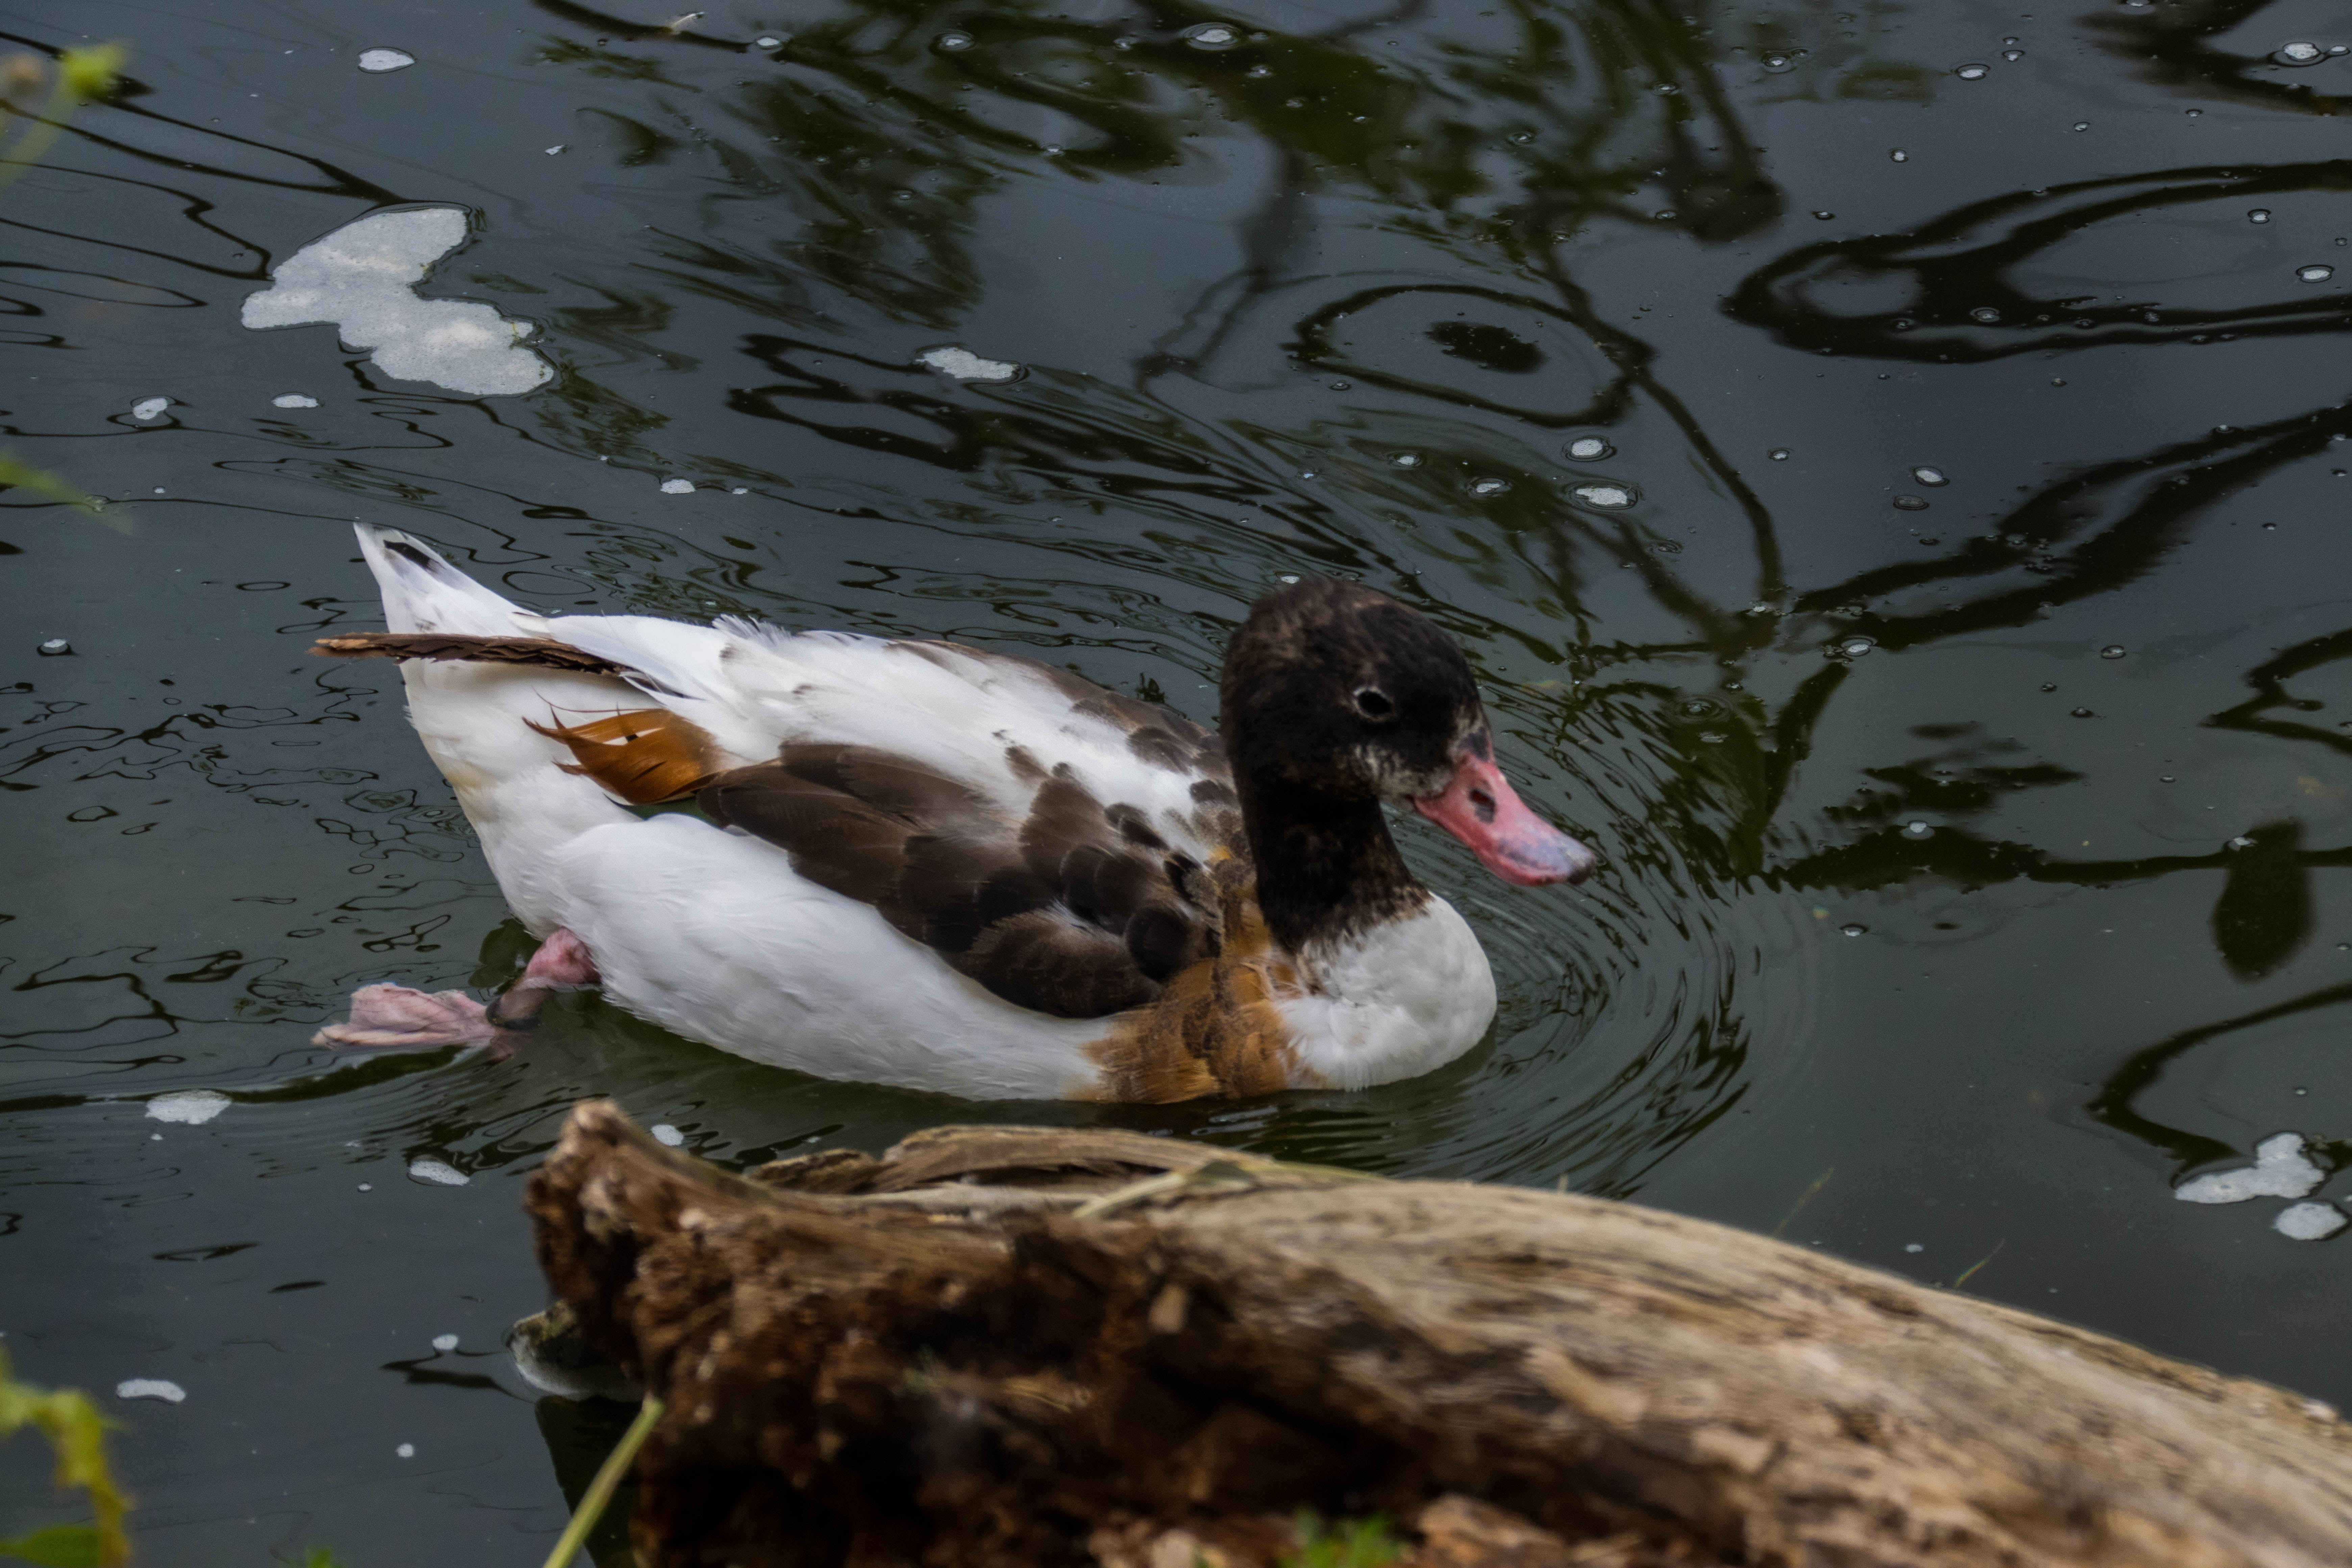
x,y
1000,1346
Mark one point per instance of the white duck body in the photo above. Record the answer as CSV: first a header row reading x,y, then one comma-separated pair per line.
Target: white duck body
x,y
714,934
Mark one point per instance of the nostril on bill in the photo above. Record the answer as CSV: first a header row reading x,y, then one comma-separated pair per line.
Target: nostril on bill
x,y
1483,804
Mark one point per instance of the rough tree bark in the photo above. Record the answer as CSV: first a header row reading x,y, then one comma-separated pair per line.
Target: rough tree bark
x,y
1033,1347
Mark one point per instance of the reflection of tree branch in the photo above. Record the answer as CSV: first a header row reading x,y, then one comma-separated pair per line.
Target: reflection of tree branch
x,y
1951,284
2174,484
2114,1105
2168,48
2268,681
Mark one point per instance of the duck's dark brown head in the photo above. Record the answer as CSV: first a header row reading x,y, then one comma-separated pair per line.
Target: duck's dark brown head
x,y
1336,695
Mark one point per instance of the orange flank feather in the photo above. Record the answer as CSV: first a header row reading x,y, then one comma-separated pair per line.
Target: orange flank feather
x,y
645,756
1213,1030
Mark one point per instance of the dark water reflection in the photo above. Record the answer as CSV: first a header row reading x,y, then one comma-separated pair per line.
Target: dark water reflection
x,y
1918,576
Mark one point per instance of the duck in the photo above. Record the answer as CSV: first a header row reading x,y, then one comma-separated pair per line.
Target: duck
x,y
959,869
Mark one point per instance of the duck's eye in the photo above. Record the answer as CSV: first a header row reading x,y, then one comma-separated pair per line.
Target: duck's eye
x,y
1373,703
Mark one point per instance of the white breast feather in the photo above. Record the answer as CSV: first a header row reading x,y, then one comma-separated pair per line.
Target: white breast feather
x,y
1407,996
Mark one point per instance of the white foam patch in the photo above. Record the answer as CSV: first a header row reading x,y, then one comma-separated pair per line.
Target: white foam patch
x,y
2309,1222
382,60
2279,1170
293,400
965,365
362,279
678,486
664,1133
161,1388
434,1173
150,407
189,1107
445,1342
1604,495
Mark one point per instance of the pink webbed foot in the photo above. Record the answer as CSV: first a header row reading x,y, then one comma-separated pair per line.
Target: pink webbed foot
x,y
397,1016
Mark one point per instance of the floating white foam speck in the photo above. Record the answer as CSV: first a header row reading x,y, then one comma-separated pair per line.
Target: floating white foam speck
x,y
1604,495
2279,1170
362,279
664,1133
2309,1222
436,1173
558,148
191,1107
405,1451
382,60
150,407
965,365
445,1342
161,1388
678,486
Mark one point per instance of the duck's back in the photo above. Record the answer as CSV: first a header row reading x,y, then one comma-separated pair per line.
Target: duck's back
x,y
913,862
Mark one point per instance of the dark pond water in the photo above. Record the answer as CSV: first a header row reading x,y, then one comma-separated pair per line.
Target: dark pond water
x,y
1888,465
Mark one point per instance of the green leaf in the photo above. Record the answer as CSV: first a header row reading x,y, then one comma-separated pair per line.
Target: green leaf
x,y
90,73
59,1546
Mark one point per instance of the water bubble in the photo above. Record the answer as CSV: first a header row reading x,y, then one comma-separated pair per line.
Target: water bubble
x,y
664,1133
149,408
1855,647
769,41
2164,778
161,1388
2082,125
2013,55
1825,216
1984,313
1590,449
1915,829
1779,454
189,1107
55,646
2113,650
1910,503
2318,272
1489,487
1700,706
1212,36
2082,713
953,43
2260,215
2242,842
1343,387
557,149
1761,607
1406,460
405,1451
1665,214
1931,478
2057,381
2300,53
437,1173
678,486
445,1342
1854,930
1972,71
1710,737
293,400
2194,113
2309,1222
1259,72
382,60
1776,62
1899,155
1613,497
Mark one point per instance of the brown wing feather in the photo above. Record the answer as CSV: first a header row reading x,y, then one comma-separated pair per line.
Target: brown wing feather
x,y
1078,910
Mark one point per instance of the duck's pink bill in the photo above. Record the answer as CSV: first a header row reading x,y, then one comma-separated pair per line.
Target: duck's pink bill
x,y
1480,808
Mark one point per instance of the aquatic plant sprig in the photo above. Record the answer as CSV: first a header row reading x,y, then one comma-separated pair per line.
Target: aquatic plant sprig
x,y
77,1432
83,76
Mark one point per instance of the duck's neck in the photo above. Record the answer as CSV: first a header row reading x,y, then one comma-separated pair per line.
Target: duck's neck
x,y
1326,869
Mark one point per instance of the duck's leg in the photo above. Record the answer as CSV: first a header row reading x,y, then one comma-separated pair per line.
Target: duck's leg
x,y
398,1015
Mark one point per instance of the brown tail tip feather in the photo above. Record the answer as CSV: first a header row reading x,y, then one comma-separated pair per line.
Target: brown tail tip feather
x,y
538,651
